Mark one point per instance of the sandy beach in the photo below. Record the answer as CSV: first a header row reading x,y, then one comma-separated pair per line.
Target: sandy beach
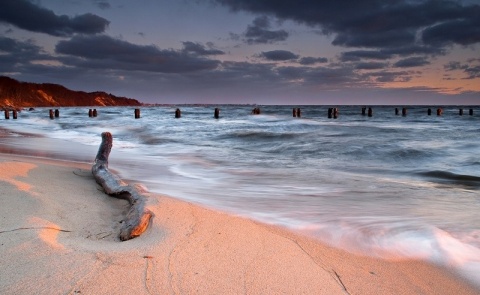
x,y
59,235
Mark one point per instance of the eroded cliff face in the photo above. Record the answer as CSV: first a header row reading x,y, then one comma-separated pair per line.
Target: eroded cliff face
x,y
16,95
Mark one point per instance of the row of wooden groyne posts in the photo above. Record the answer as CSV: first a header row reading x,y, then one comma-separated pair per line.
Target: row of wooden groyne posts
x,y
296,112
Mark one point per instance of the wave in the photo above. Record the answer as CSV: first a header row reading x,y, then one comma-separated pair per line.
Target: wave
x,y
409,154
260,135
402,238
445,177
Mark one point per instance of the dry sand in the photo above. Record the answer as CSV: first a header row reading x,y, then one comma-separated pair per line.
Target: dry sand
x,y
58,235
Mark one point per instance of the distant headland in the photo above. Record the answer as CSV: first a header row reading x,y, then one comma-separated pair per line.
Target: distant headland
x,y
17,95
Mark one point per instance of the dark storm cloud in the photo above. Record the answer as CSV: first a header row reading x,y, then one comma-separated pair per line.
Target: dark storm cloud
x,y
377,23
102,51
462,31
411,62
455,65
371,65
199,49
278,55
358,55
377,40
15,54
308,60
472,71
259,32
384,54
28,16
415,49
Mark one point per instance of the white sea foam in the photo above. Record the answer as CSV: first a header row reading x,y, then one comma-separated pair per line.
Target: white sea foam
x,y
389,186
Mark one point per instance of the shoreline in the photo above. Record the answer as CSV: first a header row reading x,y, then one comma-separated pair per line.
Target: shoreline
x,y
59,234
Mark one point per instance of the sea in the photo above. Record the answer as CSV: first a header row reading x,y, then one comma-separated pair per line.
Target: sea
x,y
389,186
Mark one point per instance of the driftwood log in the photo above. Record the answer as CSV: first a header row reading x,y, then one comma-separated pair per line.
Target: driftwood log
x,y
138,217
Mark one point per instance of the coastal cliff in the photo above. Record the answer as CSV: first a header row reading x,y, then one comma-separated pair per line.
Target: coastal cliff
x,y
15,95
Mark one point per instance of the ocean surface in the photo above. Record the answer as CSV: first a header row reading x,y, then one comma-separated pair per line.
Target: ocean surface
x,y
388,186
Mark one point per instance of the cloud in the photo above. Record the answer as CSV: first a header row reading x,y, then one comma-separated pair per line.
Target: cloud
x,y
15,54
385,54
357,55
415,50
259,33
388,76
460,31
28,16
323,77
312,60
410,62
199,49
101,51
371,65
243,73
278,55
472,71
379,39
377,24
102,4
270,79
455,65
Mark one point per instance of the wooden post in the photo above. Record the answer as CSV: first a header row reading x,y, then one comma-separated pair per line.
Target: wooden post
x,y
90,113
470,112
439,112
370,112
94,112
460,112
299,112
330,113
137,113
57,113
364,111
216,113
14,114
429,112
294,112
335,113
50,112
7,114
178,113
404,112
396,111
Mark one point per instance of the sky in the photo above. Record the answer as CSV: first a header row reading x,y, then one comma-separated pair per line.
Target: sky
x,y
396,52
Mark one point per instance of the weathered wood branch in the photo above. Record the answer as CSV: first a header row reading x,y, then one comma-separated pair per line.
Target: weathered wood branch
x,y
138,217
